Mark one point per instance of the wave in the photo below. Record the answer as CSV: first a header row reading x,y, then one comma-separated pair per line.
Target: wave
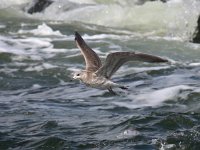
x,y
175,18
156,97
42,30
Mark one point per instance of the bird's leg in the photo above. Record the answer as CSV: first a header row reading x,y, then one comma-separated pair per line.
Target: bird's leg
x,y
111,91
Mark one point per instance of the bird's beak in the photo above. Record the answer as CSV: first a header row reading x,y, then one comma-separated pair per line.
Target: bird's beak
x,y
73,77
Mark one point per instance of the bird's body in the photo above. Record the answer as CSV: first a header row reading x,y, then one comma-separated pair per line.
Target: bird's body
x,y
93,80
97,75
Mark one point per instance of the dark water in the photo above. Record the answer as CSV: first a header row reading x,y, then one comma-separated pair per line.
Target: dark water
x,y
42,108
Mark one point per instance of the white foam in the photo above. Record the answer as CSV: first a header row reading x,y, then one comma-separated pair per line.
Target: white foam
x,y
30,47
36,86
8,3
197,90
7,48
2,26
53,50
154,98
42,30
82,1
167,38
143,69
130,70
24,43
129,133
39,68
33,42
194,46
194,64
173,19
8,70
156,16
73,69
104,36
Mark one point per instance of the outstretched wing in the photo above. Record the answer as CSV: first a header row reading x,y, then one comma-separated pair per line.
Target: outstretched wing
x,y
115,60
92,60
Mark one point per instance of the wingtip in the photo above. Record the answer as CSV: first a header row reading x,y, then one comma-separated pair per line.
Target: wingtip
x,y
160,60
163,60
77,35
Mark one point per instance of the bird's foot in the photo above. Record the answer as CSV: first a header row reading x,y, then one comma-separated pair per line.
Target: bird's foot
x,y
111,91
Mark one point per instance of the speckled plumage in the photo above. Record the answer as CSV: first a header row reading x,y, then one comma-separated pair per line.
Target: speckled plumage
x,y
97,75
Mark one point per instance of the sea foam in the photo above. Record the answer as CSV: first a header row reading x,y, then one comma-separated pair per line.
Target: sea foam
x,y
155,98
42,30
41,67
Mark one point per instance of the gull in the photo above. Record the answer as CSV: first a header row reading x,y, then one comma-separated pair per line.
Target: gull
x,y
99,76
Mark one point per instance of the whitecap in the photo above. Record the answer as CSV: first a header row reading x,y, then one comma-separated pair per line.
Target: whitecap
x,y
39,68
54,50
194,64
104,36
127,70
36,86
28,48
83,1
154,98
11,3
5,48
2,26
34,42
128,133
24,46
8,70
42,30
144,69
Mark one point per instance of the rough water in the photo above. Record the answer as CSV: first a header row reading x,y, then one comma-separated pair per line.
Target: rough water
x,y
41,107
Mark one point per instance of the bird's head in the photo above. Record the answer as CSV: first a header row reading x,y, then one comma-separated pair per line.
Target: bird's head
x,y
77,75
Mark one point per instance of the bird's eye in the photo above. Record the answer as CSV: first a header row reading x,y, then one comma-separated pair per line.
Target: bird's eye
x,y
78,74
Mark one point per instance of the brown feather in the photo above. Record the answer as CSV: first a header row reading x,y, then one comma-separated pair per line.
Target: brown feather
x,y
115,60
92,60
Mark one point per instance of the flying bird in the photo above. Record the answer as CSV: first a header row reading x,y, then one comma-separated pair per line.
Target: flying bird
x,y
98,75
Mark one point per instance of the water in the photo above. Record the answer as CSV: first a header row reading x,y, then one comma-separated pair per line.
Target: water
x,y
41,107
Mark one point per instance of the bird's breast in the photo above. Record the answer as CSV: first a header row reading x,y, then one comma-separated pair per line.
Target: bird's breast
x,y
97,82
92,80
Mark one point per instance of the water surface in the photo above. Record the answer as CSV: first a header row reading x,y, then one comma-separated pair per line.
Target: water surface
x,y
41,107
